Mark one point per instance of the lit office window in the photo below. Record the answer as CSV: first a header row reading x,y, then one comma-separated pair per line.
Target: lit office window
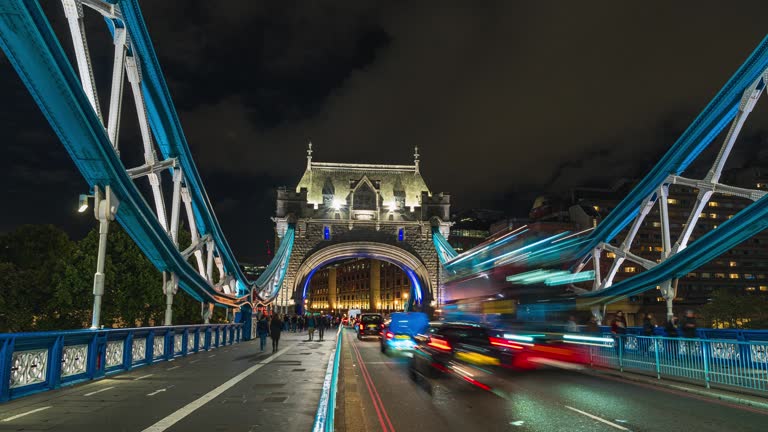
x,y
610,255
630,269
732,264
713,204
672,201
733,275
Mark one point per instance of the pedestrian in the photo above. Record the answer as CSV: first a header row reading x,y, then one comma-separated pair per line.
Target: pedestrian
x,y
688,326
262,329
618,329
648,329
275,327
321,324
648,325
671,329
311,324
571,326
592,326
294,323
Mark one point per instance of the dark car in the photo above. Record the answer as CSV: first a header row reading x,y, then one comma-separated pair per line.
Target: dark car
x,y
469,351
370,324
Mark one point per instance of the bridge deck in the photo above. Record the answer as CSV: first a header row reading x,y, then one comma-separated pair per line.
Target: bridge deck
x,y
231,388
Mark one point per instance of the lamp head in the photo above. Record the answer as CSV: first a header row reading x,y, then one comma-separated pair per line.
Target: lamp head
x,y
83,203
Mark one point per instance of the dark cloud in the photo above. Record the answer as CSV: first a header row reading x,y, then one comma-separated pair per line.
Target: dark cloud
x,y
505,100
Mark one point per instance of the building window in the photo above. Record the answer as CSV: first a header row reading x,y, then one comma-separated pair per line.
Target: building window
x,y
733,275
750,288
713,215
732,264
630,269
706,275
326,232
719,275
672,201
400,234
610,255
763,287
713,204
657,224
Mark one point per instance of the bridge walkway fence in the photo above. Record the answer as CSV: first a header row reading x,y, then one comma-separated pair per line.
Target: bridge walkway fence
x,y
729,363
40,361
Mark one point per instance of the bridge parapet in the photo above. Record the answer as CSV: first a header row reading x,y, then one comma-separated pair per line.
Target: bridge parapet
x,y
40,361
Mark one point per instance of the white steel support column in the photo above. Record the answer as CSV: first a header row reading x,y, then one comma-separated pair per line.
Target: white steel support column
x,y
105,209
667,290
209,263
150,157
73,9
176,205
116,96
193,229
170,287
207,312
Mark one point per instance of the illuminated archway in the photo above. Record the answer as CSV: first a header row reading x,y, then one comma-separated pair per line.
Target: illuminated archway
x,y
413,267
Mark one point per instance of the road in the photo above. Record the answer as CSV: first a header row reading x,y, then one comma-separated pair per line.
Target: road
x,y
232,388
545,400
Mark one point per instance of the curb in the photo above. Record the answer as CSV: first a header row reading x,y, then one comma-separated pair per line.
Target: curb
x,y
699,392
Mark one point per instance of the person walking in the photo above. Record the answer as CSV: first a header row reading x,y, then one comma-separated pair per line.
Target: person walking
x,y
688,326
648,329
311,324
592,326
321,324
275,327
618,329
262,329
571,326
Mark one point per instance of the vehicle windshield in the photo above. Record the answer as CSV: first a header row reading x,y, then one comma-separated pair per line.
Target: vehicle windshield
x,y
370,319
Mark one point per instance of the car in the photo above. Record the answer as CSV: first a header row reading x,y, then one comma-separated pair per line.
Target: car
x,y
369,324
469,351
399,332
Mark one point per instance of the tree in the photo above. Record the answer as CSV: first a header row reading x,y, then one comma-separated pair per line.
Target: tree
x,y
33,258
736,310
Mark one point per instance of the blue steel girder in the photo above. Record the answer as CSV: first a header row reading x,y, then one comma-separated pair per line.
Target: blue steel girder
x,y
35,52
710,122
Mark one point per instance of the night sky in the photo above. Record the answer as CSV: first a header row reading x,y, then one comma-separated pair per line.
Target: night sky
x,y
506,100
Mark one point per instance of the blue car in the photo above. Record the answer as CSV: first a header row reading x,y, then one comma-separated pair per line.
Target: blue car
x,y
399,334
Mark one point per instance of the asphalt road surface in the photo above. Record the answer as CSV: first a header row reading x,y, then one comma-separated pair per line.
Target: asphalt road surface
x,y
379,395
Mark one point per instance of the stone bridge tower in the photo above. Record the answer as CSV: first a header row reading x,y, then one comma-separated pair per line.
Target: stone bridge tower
x,y
344,210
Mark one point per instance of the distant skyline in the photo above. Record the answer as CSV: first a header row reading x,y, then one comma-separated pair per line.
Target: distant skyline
x,y
505,100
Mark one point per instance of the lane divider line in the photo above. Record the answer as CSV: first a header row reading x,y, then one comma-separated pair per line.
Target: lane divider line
x,y
27,413
98,391
191,407
175,367
594,417
142,377
367,376
370,392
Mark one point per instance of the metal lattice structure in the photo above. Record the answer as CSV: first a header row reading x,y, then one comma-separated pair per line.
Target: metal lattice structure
x,y
72,107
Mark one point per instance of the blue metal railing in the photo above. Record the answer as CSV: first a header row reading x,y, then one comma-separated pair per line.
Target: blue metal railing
x,y
727,362
327,407
41,361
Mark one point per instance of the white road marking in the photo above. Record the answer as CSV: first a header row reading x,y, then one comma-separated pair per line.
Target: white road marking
x,y
175,367
26,413
159,391
195,361
188,409
212,355
517,423
98,391
142,377
600,419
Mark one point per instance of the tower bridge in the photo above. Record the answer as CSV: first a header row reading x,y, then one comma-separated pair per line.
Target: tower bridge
x,y
346,210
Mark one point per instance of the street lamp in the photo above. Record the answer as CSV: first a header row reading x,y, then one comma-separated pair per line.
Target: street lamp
x,y
104,209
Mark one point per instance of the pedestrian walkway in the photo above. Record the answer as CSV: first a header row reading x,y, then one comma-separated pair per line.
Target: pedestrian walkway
x,y
233,388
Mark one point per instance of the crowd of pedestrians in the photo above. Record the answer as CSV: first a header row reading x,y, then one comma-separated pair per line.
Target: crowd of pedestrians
x,y
273,325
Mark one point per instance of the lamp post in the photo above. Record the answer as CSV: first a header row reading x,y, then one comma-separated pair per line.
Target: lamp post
x,y
104,210
405,300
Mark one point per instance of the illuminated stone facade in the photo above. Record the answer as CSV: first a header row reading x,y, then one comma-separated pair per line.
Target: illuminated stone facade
x,y
361,211
366,284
